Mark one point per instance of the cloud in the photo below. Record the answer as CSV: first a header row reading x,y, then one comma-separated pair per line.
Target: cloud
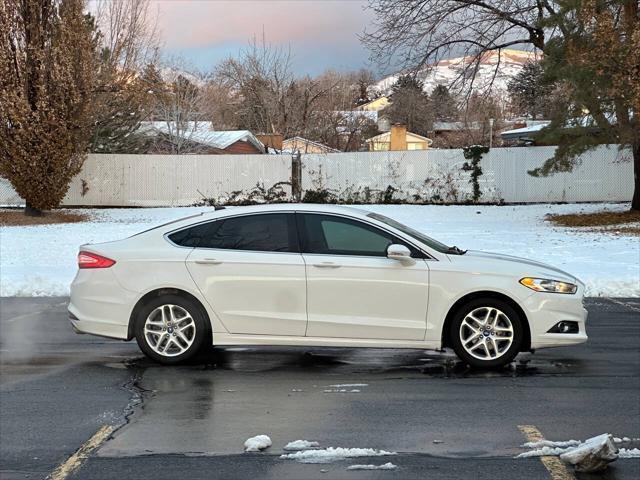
x,y
196,24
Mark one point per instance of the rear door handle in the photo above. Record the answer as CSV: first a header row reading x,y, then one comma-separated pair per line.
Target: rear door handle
x,y
326,265
209,261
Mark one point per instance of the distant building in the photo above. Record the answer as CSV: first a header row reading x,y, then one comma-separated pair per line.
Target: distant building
x,y
525,135
200,138
398,139
304,145
375,105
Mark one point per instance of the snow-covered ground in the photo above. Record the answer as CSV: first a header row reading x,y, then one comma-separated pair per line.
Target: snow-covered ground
x,y
41,260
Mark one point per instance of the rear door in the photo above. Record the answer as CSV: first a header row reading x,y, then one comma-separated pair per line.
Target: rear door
x,y
353,289
251,272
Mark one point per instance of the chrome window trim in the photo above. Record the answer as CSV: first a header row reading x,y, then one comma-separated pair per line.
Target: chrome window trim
x,y
428,256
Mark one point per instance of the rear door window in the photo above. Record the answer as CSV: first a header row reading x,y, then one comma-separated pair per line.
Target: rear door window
x,y
273,232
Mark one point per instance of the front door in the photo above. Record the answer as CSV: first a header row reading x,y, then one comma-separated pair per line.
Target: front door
x,y
250,271
353,289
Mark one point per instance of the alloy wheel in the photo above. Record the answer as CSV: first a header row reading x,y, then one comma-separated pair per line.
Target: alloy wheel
x,y
169,330
486,333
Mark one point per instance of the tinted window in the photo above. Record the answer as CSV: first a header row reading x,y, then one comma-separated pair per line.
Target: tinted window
x,y
195,236
436,245
264,233
333,235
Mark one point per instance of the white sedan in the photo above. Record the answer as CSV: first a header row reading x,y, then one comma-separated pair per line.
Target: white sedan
x,y
317,275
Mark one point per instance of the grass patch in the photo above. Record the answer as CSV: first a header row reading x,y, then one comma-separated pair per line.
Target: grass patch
x,y
597,219
10,218
617,223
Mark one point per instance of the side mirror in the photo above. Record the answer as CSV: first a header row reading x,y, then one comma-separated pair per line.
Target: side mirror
x,y
400,253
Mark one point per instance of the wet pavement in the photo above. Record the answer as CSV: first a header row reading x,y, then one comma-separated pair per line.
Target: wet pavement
x,y
443,419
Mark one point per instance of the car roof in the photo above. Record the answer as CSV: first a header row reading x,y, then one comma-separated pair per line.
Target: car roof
x,y
288,207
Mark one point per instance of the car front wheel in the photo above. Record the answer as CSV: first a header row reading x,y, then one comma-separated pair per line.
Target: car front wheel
x,y
171,329
486,333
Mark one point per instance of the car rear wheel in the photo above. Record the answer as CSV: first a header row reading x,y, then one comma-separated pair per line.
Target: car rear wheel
x,y
171,329
486,333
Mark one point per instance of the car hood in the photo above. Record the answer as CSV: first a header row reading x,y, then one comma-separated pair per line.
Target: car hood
x,y
519,264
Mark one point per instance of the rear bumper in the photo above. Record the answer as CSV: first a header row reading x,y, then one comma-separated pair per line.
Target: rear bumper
x,y
99,305
547,309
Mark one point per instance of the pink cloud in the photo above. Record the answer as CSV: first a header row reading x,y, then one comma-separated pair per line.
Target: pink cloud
x,y
187,24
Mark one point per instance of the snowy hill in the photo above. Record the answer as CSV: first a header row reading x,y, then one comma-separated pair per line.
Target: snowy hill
x,y
451,72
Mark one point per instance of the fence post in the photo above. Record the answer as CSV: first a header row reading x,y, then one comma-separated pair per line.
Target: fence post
x,y
296,177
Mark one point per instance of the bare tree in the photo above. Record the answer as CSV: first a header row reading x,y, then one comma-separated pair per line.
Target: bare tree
x,y
47,76
417,33
180,114
129,42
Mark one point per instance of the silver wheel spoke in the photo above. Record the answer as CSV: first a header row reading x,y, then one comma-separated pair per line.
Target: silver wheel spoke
x,y
169,330
489,338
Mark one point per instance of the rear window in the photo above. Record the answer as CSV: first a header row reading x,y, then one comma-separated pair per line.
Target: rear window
x,y
273,232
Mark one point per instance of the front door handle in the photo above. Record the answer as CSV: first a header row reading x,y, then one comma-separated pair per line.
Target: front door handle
x,y
326,265
209,261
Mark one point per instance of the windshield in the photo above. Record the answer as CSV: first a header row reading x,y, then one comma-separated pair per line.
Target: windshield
x,y
421,237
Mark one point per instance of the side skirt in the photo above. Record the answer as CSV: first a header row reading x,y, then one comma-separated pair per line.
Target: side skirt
x,y
231,339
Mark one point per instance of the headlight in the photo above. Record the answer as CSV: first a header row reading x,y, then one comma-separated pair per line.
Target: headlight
x,y
546,285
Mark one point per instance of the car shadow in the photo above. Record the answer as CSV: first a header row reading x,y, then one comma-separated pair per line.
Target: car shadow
x,y
435,364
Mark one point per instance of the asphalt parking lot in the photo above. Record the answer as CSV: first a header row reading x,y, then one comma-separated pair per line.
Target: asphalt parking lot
x,y
59,389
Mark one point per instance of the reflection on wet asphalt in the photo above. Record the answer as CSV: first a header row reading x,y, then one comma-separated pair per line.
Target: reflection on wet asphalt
x,y
425,405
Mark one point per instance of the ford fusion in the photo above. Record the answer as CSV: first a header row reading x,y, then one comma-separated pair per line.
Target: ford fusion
x,y
311,275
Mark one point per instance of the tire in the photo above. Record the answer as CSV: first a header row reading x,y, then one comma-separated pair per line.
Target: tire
x,y
491,344
186,329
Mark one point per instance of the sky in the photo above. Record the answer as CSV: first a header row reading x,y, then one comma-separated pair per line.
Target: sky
x,y
321,34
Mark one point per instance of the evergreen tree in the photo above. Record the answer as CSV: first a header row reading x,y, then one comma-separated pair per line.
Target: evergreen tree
x,y
530,93
48,62
410,105
444,105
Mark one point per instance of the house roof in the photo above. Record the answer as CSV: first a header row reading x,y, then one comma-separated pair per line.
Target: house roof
x,y
386,137
523,133
203,133
302,140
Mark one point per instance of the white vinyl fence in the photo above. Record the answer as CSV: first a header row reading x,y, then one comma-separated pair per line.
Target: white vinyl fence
x,y
603,174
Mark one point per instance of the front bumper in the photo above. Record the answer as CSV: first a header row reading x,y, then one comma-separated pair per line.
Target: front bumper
x,y
545,310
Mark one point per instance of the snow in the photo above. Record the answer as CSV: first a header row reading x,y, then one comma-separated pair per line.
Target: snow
x,y
384,466
331,454
349,385
257,443
549,443
41,260
593,454
544,452
300,445
629,453
447,72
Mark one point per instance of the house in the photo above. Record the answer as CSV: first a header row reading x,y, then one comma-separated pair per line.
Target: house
x,y
200,138
524,135
375,105
304,145
398,138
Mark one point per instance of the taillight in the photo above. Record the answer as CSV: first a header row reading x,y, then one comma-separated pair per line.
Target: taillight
x,y
93,260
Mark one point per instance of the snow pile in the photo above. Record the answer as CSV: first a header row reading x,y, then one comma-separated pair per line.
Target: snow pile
x,y
300,445
549,443
629,453
544,452
384,466
331,454
257,443
593,455
40,260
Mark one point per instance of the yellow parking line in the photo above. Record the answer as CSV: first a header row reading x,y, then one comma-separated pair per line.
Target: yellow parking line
x,y
75,461
556,467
